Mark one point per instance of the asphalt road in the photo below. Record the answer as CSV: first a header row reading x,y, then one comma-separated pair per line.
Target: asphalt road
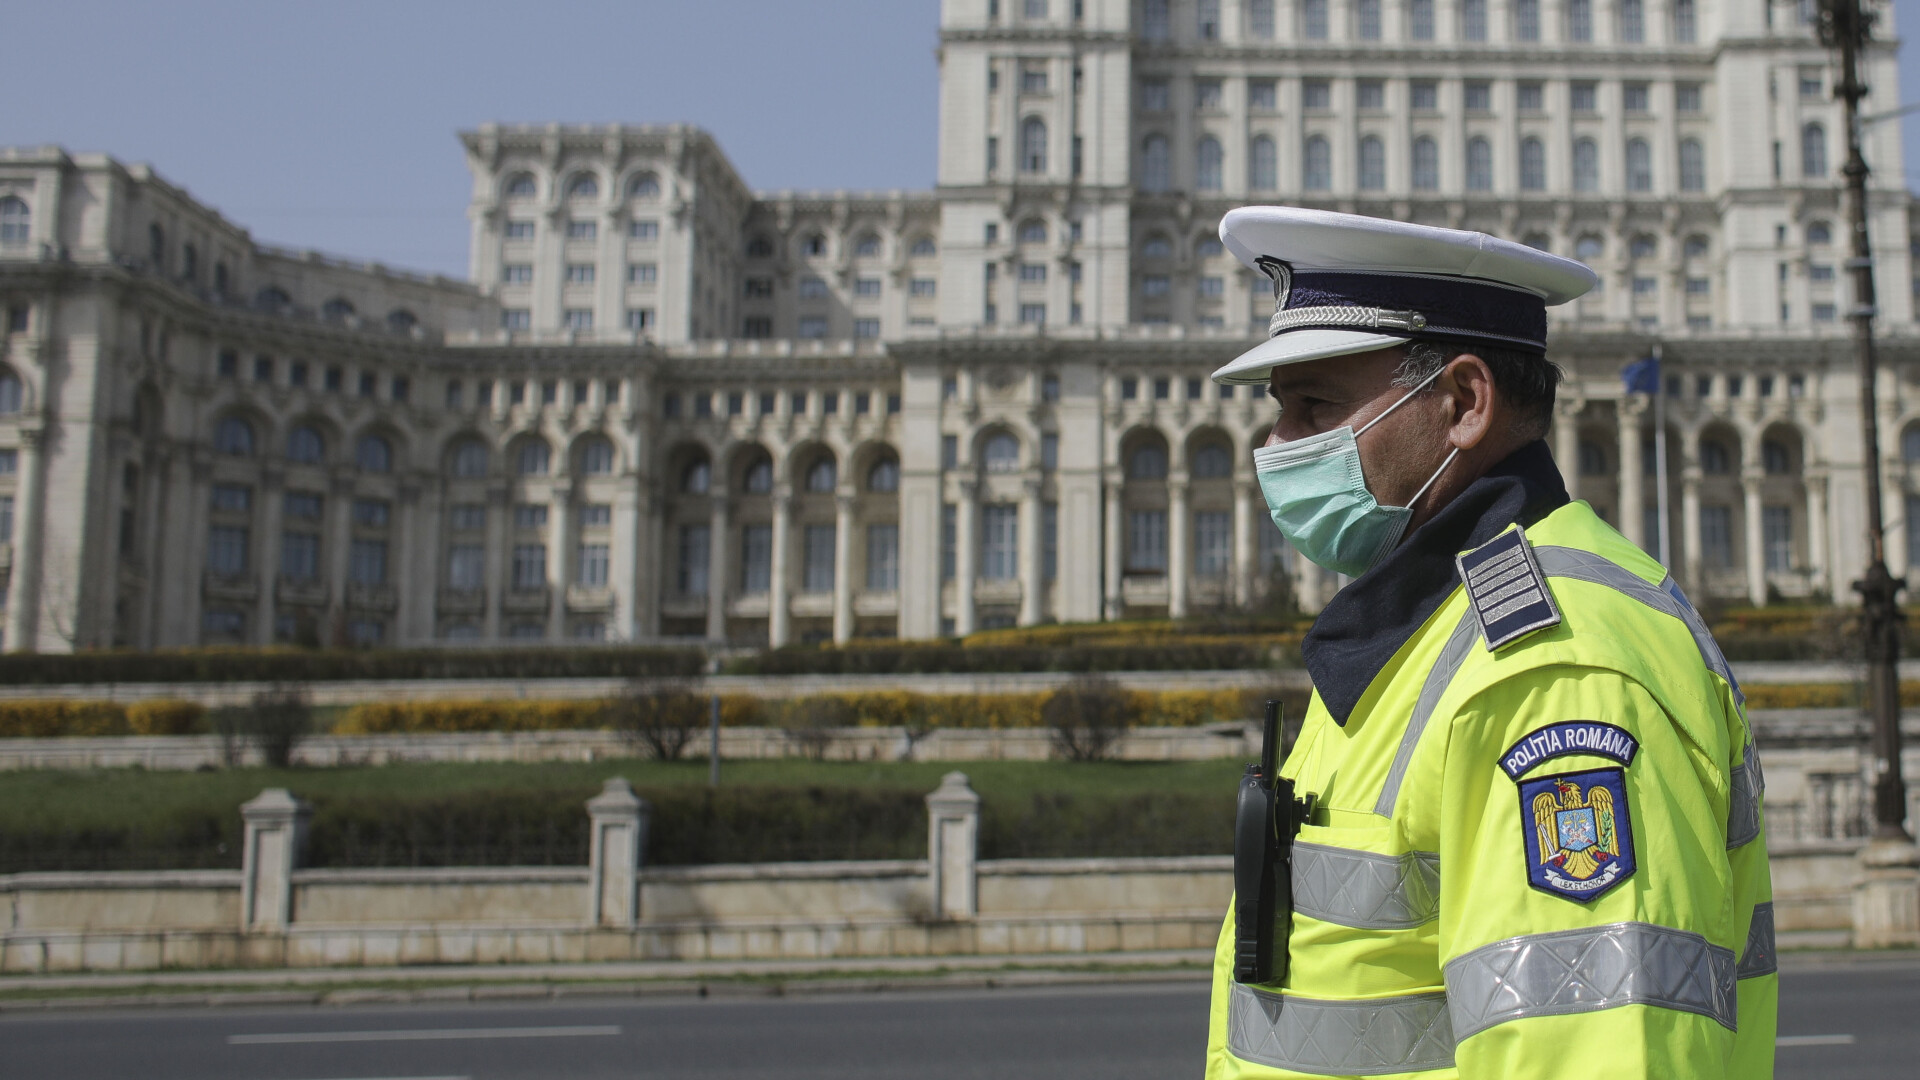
x,y
1850,1021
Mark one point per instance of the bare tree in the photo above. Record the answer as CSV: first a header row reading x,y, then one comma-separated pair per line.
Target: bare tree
x,y
1087,717
812,725
275,722
661,717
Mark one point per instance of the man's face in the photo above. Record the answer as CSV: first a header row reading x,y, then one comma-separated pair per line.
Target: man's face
x,y
1397,455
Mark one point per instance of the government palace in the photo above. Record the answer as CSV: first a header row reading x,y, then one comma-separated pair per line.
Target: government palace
x,y
668,407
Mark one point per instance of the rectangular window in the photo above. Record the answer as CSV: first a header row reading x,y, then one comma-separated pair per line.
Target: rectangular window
x,y
1716,536
1823,313
1579,15
1425,95
579,273
1316,94
1208,22
816,544
1211,288
1049,541
1473,20
468,517
813,326
1033,314
1262,95
6,525
1313,20
1033,273
529,566
922,287
949,451
1420,20
644,230
642,273
367,562
596,516
530,516
336,378
302,505
579,318
999,542
591,570
516,274
1049,452
866,328
466,566
1371,94
372,513
883,558
1686,97
993,163
1206,95
1584,96
519,230
949,539
1212,543
756,326
226,551
1820,272
1530,97
1147,542
227,364
582,230
1260,19
756,558
640,319
1776,525
1156,285
1634,97
696,547
1154,96
757,288
1645,286
1033,80
1479,96
227,498
1699,286
263,369
299,556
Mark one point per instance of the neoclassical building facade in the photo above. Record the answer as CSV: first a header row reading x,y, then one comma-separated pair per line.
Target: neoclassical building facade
x,y
665,406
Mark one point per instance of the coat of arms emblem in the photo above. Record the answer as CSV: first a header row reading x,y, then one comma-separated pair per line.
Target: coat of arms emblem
x,y
1579,837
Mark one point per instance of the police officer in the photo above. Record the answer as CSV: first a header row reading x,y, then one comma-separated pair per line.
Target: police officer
x,y
1534,844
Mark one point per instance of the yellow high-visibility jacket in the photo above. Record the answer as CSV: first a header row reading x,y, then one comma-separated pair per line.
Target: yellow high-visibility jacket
x,y
1540,858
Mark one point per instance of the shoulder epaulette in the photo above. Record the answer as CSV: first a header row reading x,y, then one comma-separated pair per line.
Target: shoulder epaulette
x,y
1506,589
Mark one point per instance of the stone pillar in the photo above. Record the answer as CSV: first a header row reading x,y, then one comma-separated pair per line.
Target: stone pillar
x,y
779,619
1179,559
717,570
1032,584
1756,540
499,505
1246,550
336,544
1116,604
1693,573
623,558
1566,444
1886,900
273,497
619,822
276,834
415,554
23,601
1817,533
966,556
953,839
843,568
559,531
1633,499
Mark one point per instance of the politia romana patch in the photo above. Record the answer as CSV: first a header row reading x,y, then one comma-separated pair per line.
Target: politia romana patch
x,y
1578,833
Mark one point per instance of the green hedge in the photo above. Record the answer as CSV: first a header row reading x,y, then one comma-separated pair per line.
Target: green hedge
x,y
276,665
953,659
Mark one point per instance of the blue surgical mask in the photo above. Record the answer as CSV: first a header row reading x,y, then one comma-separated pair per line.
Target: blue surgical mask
x,y
1318,497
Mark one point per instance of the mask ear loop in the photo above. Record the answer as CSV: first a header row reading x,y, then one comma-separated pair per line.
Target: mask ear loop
x,y
1422,385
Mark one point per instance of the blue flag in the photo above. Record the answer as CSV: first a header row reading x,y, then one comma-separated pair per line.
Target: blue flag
x,y
1642,376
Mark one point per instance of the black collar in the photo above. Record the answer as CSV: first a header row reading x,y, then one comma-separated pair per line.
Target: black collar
x,y
1369,620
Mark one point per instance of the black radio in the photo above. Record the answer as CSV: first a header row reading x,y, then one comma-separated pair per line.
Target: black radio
x,y
1265,822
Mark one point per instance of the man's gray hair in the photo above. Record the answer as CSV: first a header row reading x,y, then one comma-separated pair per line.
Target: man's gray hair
x,y
1525,380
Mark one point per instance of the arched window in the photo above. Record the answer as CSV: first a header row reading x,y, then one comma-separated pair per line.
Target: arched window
x,y
1910,445
1263,164
1157,247
272,298
535,458
1533,165
522,186
1813,152
157,247
401,321
696,478
822,476
1693,165
337,309
1819,234
1000,453
1479,164
1156,165
374,454
233,436
644,186
596,457
1207,245
1695,247
884,476
1426,164
1212,462
583,186
1373,164
470,458
1033,231
1033,145
1538,241
923,247
1316,164
1643,246
16,220
814,245
867,246
1209,162
1593,460
759,478
189,261
305,445
11,393
1586,165
759,248
1589,247
1639,165
1714,459
1775,458
1148,462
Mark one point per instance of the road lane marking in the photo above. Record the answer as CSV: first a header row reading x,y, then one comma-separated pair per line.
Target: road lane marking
x,y
1814,1040
423,1035
409,1078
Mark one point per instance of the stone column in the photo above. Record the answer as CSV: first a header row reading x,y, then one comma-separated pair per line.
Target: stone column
x,y
494,590
1633,499
1886,900
619,821
1816,484
559,530
717,569
623,557
1179,533
953,838
1032,583
275,836
1246,551
192,537
843,568
23,601
273,497
1693,571
779,620
966,554
336,544
1566,444
416,554
1756,540
1116,604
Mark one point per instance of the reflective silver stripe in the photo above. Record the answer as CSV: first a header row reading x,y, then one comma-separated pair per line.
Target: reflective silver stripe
x,y
1759,957
1445,667
1745,788
1577,971
1365,890
1368,1037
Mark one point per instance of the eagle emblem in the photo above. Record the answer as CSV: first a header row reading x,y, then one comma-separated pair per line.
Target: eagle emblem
x,y
1580,841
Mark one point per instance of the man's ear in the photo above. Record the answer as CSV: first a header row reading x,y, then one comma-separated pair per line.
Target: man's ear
x,y
1467,382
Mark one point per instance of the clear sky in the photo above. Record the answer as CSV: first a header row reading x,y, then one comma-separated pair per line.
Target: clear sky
x,y
331,125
